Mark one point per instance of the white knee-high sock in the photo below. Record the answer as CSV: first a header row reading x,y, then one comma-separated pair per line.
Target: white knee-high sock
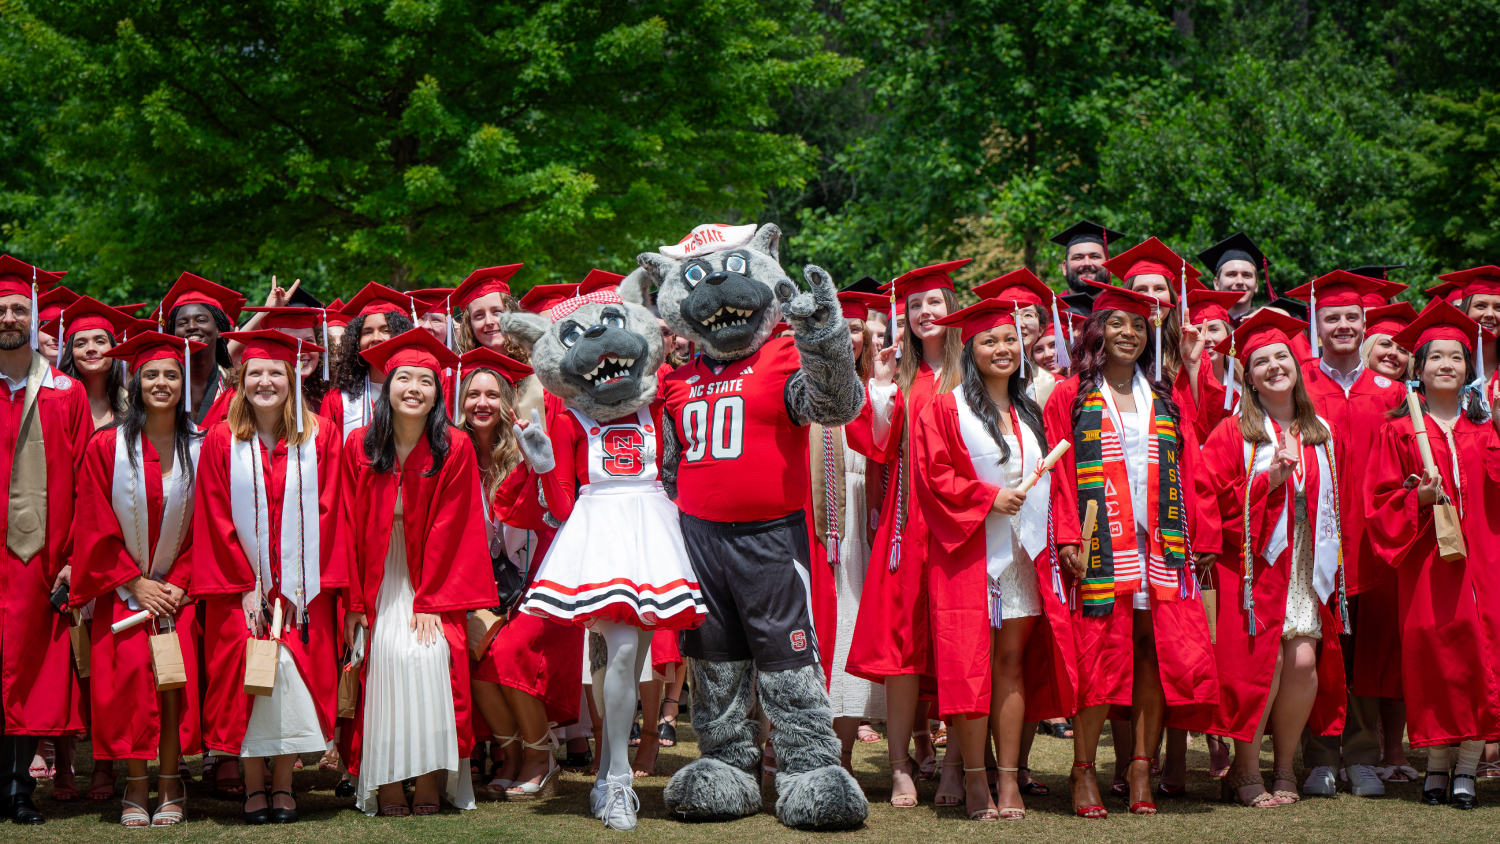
x,y
1469,753
1437,767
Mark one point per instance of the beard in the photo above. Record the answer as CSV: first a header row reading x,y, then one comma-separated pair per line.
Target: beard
x,y
1078,282
10,340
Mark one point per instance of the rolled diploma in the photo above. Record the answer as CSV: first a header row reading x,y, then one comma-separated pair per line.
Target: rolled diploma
x,y
1057,452
1419,425
126,623
276,621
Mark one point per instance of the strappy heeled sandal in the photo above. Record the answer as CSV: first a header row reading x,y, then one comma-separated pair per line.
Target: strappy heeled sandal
x,y
947,799
903,800
1095,811
1282,795
499,784
1143,807
666,728
1032,788
927,769
135,817
165,816
536,790
989,813
1010,813
1229,792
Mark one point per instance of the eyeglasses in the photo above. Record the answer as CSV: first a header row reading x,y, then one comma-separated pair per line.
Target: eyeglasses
x,y
20,311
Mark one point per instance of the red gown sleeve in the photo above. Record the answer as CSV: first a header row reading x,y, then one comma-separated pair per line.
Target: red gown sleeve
x,y
953,499
219,563
1223,471
1057,419
1203,518
100,561
333,559
350,459
1400,529
455,569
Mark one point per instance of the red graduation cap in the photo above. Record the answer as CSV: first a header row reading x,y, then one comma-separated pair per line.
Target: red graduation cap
x,y
543,296
87,314
1205,305
1152,258
147,346
334,313
483,282
376,298
190,289
1389,319
1450,291
287,318
483,357
1265,327
17,276
433,300
1440,321
1019,287
1475,280
599,280
411,348
1112,298
1338,289
856,305
270,344
923,279
980,317
1388,291
49,305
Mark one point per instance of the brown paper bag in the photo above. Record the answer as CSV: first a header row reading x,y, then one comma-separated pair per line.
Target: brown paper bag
x,y
260,666
1450,534
166,661
1211,608
78,634
348,691
483,627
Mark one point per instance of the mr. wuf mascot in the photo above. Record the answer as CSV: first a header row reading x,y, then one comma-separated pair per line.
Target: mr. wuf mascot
x,y
734,456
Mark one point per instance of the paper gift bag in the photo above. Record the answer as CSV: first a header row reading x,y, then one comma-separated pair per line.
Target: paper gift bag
x,y
260,666
78,634
166,661
348,688
1211,608
483,627
1450,534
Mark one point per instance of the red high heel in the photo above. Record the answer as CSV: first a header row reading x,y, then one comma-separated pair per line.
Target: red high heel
x,y
1144,807
1094,812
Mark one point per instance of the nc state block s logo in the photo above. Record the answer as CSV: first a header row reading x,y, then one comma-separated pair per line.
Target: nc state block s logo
x,y
622,451
799,641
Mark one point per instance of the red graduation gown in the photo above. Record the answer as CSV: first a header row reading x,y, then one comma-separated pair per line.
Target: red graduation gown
x,y
222,573
1449,611
892,636
40,690
1105,645
956,503
447,556
1246,663
126,707
219,410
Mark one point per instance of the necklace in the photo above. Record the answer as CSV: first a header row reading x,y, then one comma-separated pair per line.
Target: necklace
x,y
1121,388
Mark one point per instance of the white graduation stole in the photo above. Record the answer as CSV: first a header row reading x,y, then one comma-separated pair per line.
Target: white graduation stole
x,y
127,495
1324,522
299,540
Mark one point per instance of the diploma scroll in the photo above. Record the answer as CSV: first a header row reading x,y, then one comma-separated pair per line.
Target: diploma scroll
x,y
1035,477
1445,521
130,621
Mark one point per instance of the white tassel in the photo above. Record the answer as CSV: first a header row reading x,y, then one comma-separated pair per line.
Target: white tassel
x,y
36,314
457,383
1156,318
448,319
895,338
326,350
1479,382
1062,360
187,377
1015,316
297,377
1312,311
1182,299
1228,382
61,336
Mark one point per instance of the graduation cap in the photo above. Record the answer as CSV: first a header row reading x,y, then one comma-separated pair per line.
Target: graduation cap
x,y
485,281
17,278
1205,305
1152,257
1112,298
599,280
1339,288
50,304
980,317
376,298
857,304
191,289
1019,287
1440,321
411,348
334,313
432,300
1388,290
287,318
301,298
1389,319
923,279
1086,232
1292,307
1473,281
1265,327
1380,271
483,357
1081,303
542,297
865,284
1238,247
149,345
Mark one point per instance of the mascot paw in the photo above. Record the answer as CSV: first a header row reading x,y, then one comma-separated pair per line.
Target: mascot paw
x,y
535,445
710,790
821,799
810,311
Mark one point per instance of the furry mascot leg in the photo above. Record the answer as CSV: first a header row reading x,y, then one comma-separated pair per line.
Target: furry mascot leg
x,y
722,783
813,790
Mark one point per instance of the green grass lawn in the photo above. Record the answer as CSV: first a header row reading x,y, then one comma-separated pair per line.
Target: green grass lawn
x,y
565,818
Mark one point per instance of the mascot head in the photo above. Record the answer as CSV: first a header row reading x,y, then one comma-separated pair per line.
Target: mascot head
x,y
600,351
718,287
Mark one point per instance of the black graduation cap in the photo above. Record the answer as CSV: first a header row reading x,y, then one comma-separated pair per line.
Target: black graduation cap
x,y
1079,303
1295,307
868,284
1087,232
1236,247
1380,271
300,297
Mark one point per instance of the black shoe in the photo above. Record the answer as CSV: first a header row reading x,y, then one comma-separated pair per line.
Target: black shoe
x,y
1462,801
635,734
345,788
284,815
666,734
1436,796
22,811
259,817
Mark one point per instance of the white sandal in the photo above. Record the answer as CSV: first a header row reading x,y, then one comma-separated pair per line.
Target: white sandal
x,y
136,819
548,786
499,785
172,817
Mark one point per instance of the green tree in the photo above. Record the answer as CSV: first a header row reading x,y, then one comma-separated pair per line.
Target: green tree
x,y
405,141
992,113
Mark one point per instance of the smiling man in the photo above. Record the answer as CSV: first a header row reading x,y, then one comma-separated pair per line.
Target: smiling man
x,y
1237,264
1085,249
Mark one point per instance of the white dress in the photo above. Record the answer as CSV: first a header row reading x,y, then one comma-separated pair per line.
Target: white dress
x,y
286,721
409,723
852,697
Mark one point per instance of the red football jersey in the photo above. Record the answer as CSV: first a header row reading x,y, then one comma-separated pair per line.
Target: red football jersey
x,y
742,457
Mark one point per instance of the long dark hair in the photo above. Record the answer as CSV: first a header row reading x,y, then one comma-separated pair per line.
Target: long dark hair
x,y
133,420
350,368
380,437
1089,358
978,398
1469,406
114,380
221,320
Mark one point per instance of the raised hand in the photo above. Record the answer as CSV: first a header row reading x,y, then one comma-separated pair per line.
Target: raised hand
x,y
809,310
535,445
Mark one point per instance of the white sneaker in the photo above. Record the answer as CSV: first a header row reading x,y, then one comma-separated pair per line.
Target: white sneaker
x,y
1363,781
620,804
596,798
1320,782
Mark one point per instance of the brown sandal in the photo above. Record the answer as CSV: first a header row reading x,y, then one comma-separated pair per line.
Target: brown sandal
x,y
1229,792
1283,796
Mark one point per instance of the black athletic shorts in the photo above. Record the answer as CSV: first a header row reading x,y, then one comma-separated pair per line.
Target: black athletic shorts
x,y
756,582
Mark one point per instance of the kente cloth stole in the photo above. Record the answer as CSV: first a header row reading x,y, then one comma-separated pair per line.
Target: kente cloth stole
x,y
1104,480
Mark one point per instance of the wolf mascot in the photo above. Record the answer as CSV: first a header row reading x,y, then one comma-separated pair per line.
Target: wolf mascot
x,y
734,456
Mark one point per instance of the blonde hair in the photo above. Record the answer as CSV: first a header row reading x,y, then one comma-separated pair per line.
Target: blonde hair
x,y
467,342
505,455
911,347
1369,346
242,417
